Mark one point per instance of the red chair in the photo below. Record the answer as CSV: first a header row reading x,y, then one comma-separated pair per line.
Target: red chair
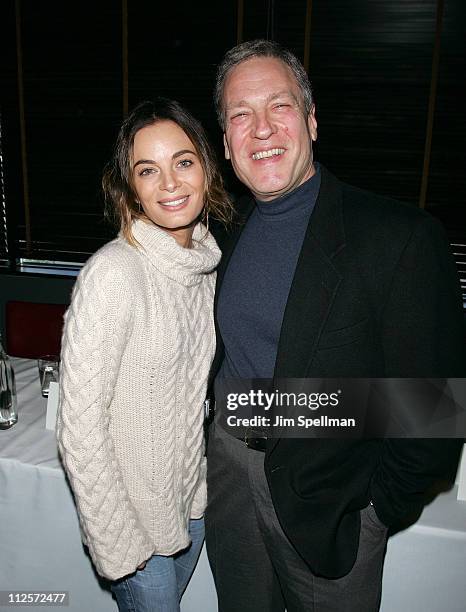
x,y
33,329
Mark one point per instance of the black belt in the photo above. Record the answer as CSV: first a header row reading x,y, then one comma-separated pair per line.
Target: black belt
x,y
254,441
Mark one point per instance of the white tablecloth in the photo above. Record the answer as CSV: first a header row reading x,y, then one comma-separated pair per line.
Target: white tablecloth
x,y
425,567
28,442
40,546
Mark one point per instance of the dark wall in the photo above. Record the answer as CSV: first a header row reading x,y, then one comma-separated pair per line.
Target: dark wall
x,y
370,64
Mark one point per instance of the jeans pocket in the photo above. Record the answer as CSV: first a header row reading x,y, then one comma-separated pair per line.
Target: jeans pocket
x,y
123,596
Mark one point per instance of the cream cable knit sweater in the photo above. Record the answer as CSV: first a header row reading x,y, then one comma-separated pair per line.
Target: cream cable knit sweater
x,y
137,346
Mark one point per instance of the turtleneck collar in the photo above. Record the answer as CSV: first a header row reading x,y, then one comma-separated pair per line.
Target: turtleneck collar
x,y
186,266
296,202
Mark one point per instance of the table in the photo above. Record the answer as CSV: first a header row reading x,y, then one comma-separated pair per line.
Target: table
x,y
41,549
39,531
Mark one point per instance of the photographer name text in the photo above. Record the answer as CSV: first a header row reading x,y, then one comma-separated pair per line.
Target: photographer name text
x,y
281,421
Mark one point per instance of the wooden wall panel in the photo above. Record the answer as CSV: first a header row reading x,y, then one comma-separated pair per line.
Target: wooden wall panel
x,y
370,64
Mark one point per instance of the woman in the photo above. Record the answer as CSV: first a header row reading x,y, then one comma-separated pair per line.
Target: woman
x,y
137,346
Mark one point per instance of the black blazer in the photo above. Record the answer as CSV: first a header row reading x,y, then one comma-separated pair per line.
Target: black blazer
x,y
375,294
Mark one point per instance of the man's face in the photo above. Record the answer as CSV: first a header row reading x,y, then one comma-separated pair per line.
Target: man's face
x,y
267,137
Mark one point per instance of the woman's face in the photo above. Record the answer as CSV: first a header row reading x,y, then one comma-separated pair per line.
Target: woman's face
x,y
168,178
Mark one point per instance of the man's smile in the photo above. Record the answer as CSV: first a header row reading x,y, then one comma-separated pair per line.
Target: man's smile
x,y
268,153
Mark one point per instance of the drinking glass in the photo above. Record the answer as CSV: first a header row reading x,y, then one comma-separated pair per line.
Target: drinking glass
x,y
48,372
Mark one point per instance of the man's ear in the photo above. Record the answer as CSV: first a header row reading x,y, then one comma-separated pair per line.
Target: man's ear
x,y
312,123
227,148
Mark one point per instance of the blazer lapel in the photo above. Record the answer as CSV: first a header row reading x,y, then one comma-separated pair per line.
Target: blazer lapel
x,y
315,285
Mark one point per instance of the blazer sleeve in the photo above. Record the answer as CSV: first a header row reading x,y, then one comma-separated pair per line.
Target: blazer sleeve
x,y
423,336
97,326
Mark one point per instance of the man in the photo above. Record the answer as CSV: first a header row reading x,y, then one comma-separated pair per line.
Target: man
x,y
320,280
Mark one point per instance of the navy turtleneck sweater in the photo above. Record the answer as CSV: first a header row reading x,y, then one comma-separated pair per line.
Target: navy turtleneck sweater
x,y
257,281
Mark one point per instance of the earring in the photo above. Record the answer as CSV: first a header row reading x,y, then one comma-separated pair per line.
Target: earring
x,y
205,217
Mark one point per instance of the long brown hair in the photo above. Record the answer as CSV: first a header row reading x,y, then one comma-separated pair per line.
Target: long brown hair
x,y
120,195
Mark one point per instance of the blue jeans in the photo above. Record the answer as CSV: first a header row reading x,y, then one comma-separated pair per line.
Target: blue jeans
x,y
160,585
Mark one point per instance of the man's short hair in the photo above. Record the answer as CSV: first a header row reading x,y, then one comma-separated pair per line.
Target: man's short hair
x,y
260,48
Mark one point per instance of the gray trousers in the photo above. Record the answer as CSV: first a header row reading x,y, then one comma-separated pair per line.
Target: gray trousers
x,y
255,567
